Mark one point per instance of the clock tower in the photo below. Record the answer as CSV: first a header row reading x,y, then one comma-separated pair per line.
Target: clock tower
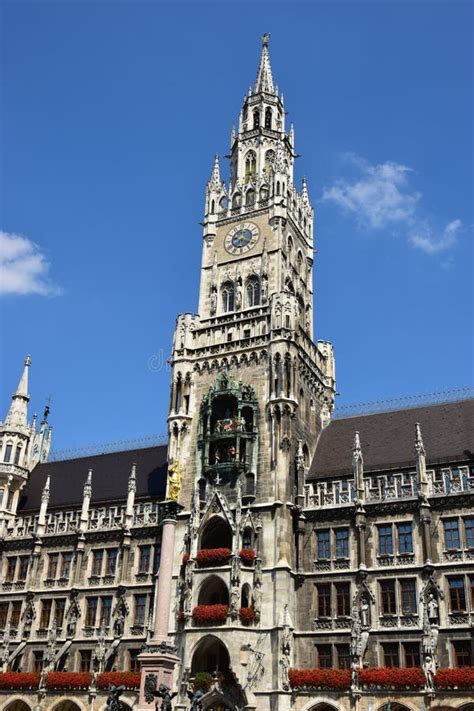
x,y
251,392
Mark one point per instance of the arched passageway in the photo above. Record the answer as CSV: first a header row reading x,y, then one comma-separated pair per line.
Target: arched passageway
x,y
216,534
210,655
393,706
213,592
324,707
67,705
17,705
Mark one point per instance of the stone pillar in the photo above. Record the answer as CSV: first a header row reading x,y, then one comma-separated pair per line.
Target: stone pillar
x,y
159,658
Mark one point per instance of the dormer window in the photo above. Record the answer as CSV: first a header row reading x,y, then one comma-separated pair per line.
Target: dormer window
x,y
268,117
228,297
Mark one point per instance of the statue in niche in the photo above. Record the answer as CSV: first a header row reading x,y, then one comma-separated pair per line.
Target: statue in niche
x,y
175,478
429,668
238,297
213,301
432,609
264,289
364,613
119,625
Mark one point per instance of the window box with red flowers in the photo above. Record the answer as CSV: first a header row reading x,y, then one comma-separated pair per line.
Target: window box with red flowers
x,y
247,556
247,615
210,614
68,680
459,678
19,680
210,557
393,677
130,680
336,679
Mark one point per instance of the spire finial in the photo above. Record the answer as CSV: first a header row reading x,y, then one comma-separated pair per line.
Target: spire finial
x,y
28,360
264,81
215,181
419,446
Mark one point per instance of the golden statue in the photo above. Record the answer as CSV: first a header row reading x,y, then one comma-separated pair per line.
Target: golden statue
x,y
175,479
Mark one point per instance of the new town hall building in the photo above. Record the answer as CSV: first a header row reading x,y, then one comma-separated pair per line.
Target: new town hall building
x,y
319,563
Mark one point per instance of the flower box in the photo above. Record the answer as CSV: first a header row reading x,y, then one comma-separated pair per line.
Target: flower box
x,y
458,678
247,555
210,614
68,680
210,557
339,679
19,680
393,677
247,615
130,680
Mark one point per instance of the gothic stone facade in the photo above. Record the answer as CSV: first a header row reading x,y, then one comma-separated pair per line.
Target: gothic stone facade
x,y
303,541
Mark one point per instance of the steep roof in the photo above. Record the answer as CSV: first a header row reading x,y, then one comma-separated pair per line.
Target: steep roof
x,y
387,439
110,474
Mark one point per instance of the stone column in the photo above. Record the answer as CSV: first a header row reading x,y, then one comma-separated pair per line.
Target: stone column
x,y
159,658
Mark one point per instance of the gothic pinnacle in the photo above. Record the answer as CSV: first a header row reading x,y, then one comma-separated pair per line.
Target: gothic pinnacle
x,y
264,81
18,412
215,181
419,447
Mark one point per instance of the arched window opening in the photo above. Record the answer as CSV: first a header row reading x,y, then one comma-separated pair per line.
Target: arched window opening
x,y
223,203
213,592
305,456
247,417
256,118
268,117
8,452
224,414
278,187
249,485
289,286
216,534
18,454
67,705
245,112
277,381
210,654
264,194
302,402
287,321
269,162
300,263
300,215
289,247
250,166
213,207
245,596
287,376
228,297
178,393
17,705
250,198
237,200
202,489
247,538
253,291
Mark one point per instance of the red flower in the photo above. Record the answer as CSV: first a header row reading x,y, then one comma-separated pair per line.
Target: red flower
x,y
320,678
393,677
461,678
180,616
131,680
247,555
68,680
210,614
185,558
208,557
19,680
247,615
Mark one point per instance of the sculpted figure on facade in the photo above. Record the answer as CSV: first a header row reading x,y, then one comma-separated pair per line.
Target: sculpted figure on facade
x,y
175,479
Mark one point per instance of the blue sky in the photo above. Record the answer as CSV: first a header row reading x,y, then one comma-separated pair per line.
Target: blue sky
x,y
112,112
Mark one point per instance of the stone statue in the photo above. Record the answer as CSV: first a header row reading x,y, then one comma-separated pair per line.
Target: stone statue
x,y
429,668
213,302
433,609
175,478
264,289
257,601
113,703
119,625
238,298
195,699
164,692
364,613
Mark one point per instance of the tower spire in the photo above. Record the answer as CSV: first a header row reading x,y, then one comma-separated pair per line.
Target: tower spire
x,y
215,181
18,412
264,80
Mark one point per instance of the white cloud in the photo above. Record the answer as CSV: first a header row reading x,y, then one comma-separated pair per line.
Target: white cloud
x,y
381,197
23,267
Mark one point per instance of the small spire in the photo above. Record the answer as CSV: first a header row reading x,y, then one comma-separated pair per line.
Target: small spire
x,y
215,181
357,449
132,479
419,446
304,191
18,412
264,80
88,485
46,489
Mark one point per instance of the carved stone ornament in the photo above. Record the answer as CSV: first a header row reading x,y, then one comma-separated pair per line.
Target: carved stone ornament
x,y
161,648
149,687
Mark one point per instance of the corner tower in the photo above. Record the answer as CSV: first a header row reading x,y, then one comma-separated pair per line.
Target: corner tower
x,y
251,392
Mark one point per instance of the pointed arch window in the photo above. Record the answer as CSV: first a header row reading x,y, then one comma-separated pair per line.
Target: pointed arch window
x,y
250,166
237,200
228,297
268,117
256,118
8,452
17,454
300,263
253,291
250,198
269,161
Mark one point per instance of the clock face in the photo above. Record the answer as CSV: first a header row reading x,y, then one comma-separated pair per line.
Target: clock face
x,y
241,238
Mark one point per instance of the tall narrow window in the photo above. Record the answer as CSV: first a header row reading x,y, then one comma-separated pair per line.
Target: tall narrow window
x,y
462,653
408,594
10,571
451,535
15,614
228,297
342,543
324,545
8,452
97,558
23,567
250,198
256,119
324,599
253,291
457,594
269,161
343,656
405,538
38,661
59,607
91,611
388,597
17,454
105,610
45,616
134,664
250,166
140,609
111,561
343,599
3,615
268,117
66,562
144,559
53,565
385,540
86,660
469,531
412,654
324,656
